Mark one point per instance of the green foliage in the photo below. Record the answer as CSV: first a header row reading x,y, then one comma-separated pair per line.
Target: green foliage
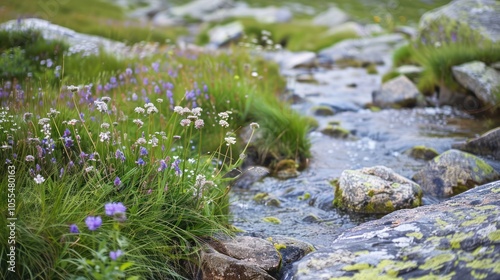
x,y
403,56
14,64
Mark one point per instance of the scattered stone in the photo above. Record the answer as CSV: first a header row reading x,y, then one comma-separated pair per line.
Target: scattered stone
x,y
487,144
456,239
331,17
299,60
221,35
249,176
410,71
376,189
311,218
484,81
306,78
270,14
267,199
454,172
290,249
349,27
398,92
198,9
422,152
272,220
336,131
365,50
323,111
409,31
450,97
217,266
461,21
496,65
286,169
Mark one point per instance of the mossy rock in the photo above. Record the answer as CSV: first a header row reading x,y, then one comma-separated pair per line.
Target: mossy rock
x,y
336,132
286,169
323,111
422,152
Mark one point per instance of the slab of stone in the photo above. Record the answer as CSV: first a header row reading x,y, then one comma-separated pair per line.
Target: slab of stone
x,y
456,239
223,34
398,92
331,17
454,172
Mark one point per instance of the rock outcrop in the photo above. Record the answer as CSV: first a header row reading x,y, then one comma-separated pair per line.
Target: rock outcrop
x,y
456,239
376,189
398,92
454,172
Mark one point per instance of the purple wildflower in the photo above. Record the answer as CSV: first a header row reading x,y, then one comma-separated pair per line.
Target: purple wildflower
x,y
163,165
143,151
93,223
175,165
115,254
140,161
117,181
74,228
145,81
116,210
128,71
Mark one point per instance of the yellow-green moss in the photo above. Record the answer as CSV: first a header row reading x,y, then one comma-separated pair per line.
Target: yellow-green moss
x,y
476,221
478,275
494,236
357,266
272,220
458,237
417,234
279,246
437,262
371,69
305,196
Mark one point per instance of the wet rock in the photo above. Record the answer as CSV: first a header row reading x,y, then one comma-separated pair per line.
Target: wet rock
x,y
331,17
487,144
323,111
456,239
297,60
336,131
267,199
270,14
454,172
450,97
306,78
375,189
461,21
496,65
78,42
286,169
398,92
410,71
484,81
364,50
422,152
221,35
290,249
217,266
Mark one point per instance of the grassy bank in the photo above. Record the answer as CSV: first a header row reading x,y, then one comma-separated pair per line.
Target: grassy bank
x,y
151,138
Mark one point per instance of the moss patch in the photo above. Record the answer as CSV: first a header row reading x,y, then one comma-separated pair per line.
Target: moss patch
x,y
417,234
437,262
358,266
272,220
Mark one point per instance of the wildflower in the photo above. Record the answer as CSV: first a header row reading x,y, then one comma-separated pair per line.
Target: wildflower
x,y
196,111
74,228
73,88
159,100
141,141
175,165
223,115
176,137
115,254
27,117
101,106
254,125
185,122
93,223
114,209
191,160
117,181
106,99
105,136
230,140
39,179
30,158
139,110
140,161
163,165
72,122
153,141
43,121
61,172
53,112
89,169
143,151
152,110
198,124
134,96
138,122
178,109
223,123
105,125
119,155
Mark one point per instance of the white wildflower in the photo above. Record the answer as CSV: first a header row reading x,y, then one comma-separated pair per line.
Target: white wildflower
x,y
141,141
73,88
154,141
105,136
147,105
72,122
106,99
230,140
224,115
223,123
30,158
105,125
159,100
196,111
199,124
178,109
43,121
185,122
101,106
152,109
138,122
39,179
254,125
139,110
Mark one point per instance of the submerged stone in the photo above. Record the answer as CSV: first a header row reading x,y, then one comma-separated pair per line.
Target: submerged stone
x,y
422,152
487,144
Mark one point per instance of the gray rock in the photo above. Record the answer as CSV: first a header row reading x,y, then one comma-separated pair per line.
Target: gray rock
x,y
496,65
450,97
376,189
217,266
296,60
270,14
470,21
398,92
223,34
456,239
409,70
78,42
199,8
454,172
331,17
252,250
348,27
365,50
422,152
249,176
484,81
487,144
290,249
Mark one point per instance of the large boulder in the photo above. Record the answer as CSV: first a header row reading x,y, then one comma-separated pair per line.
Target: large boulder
x,y
375,189
454,172
200,8
487,144
398,92
482,80
461,21
456,239
223,34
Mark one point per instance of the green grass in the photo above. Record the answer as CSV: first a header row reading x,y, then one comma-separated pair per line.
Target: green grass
x,y
295,36
89,17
